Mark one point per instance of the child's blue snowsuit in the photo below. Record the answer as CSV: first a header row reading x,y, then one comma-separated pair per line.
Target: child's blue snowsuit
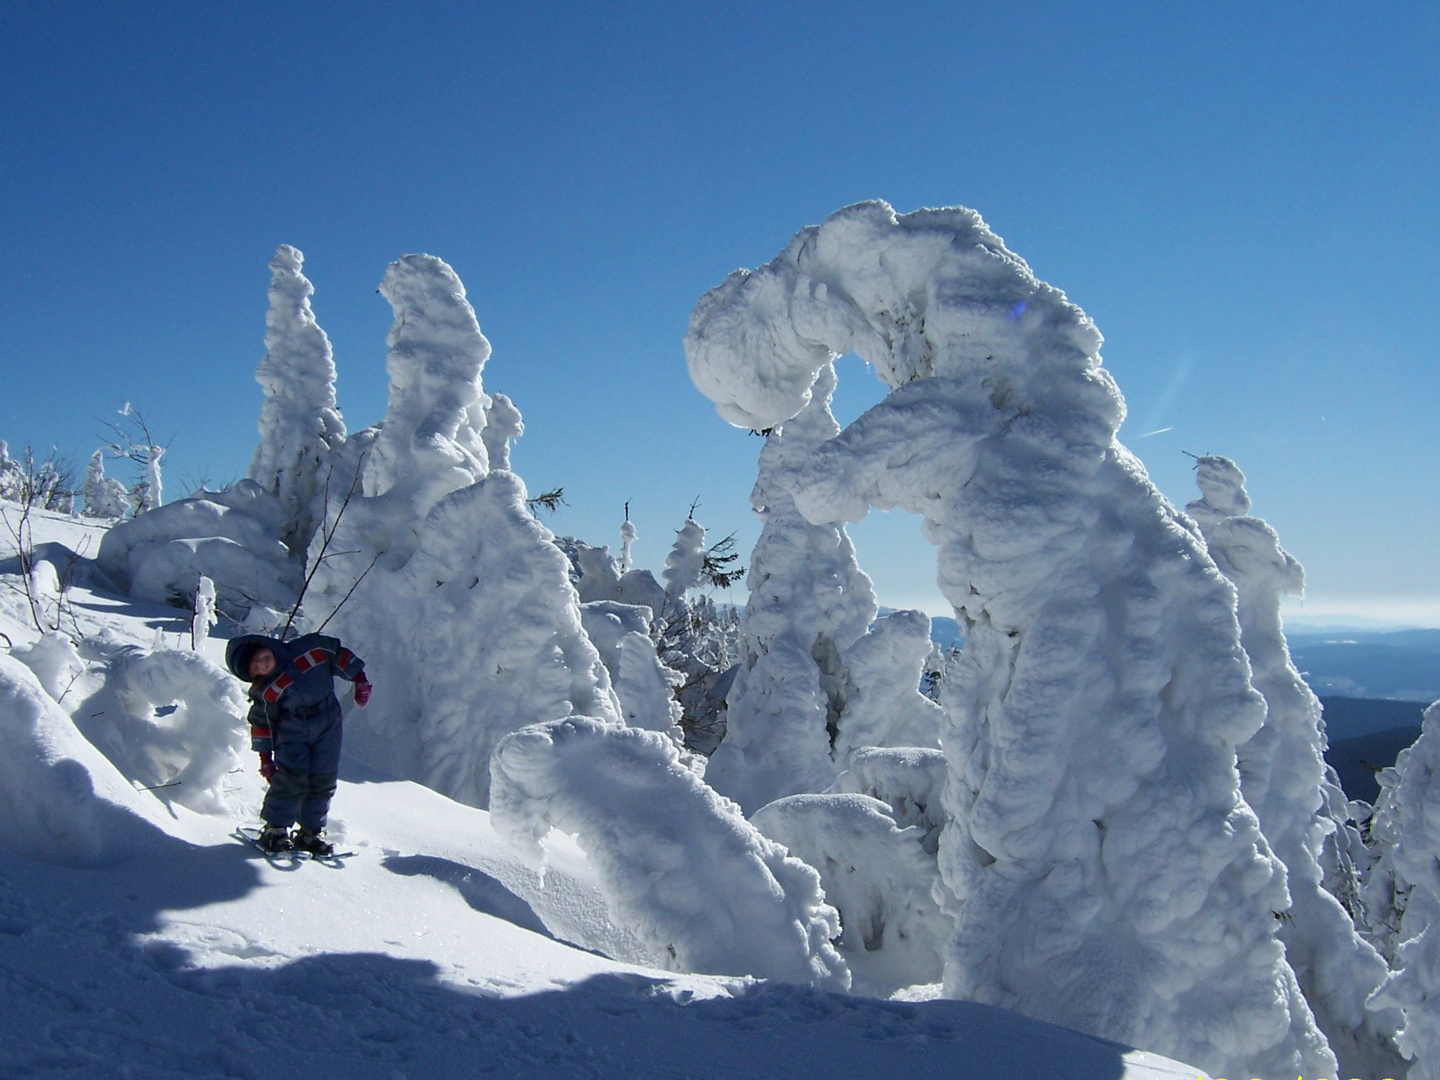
x,y
295,715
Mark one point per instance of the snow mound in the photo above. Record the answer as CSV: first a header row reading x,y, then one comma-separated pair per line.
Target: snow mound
x,y
683,870
231,537
893,933
60,800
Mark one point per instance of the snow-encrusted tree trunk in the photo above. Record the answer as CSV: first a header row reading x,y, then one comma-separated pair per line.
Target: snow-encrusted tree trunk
x,y
1282,775
299,422
458,598
809,601
1408,817
1104,871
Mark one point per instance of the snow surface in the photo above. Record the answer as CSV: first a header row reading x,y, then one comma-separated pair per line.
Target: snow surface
x,y
138,939
1102,866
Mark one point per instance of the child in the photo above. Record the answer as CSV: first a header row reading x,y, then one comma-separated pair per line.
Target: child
x,y
295,724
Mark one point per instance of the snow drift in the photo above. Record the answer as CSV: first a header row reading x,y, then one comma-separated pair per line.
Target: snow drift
x,y
1103,869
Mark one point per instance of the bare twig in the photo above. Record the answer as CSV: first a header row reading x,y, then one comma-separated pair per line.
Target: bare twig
x,y
328,532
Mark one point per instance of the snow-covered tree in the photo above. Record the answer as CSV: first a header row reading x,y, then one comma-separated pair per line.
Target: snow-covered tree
x,y
628,536
1282,775
149,493
439,575
104,496
1409,824
809,601
431,441
1104,870
686,560
299,422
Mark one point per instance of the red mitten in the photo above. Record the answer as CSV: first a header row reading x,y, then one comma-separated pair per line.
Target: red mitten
x,y
362,690
267,765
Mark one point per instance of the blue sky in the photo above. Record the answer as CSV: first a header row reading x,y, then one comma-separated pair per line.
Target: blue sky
x,y
1243,197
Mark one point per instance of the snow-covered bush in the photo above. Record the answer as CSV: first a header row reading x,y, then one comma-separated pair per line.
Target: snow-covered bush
x,y
909,780
1282,776
1103,868
682,869
438,574
46,485
877,876
645,686
809,601
231,537
299,422
60,800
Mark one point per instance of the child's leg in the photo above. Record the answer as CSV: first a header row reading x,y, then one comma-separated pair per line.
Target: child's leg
x,y
324,774
292,777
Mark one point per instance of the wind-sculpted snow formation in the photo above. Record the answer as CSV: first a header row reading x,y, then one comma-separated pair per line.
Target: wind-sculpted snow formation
x,y
809,601
1103,869
1282,776
61,801
458,599
1406,827
877,876
682,868
299,422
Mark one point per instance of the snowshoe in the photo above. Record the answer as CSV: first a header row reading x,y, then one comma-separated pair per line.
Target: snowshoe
x,y
310,842
273,840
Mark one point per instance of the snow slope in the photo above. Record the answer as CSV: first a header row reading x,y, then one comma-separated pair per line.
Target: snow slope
x,y
436,951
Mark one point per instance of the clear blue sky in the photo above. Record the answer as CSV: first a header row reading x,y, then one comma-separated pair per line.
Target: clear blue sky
x,y
1244,197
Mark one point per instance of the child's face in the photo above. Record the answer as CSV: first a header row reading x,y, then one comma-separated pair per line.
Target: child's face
x,y
262,663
